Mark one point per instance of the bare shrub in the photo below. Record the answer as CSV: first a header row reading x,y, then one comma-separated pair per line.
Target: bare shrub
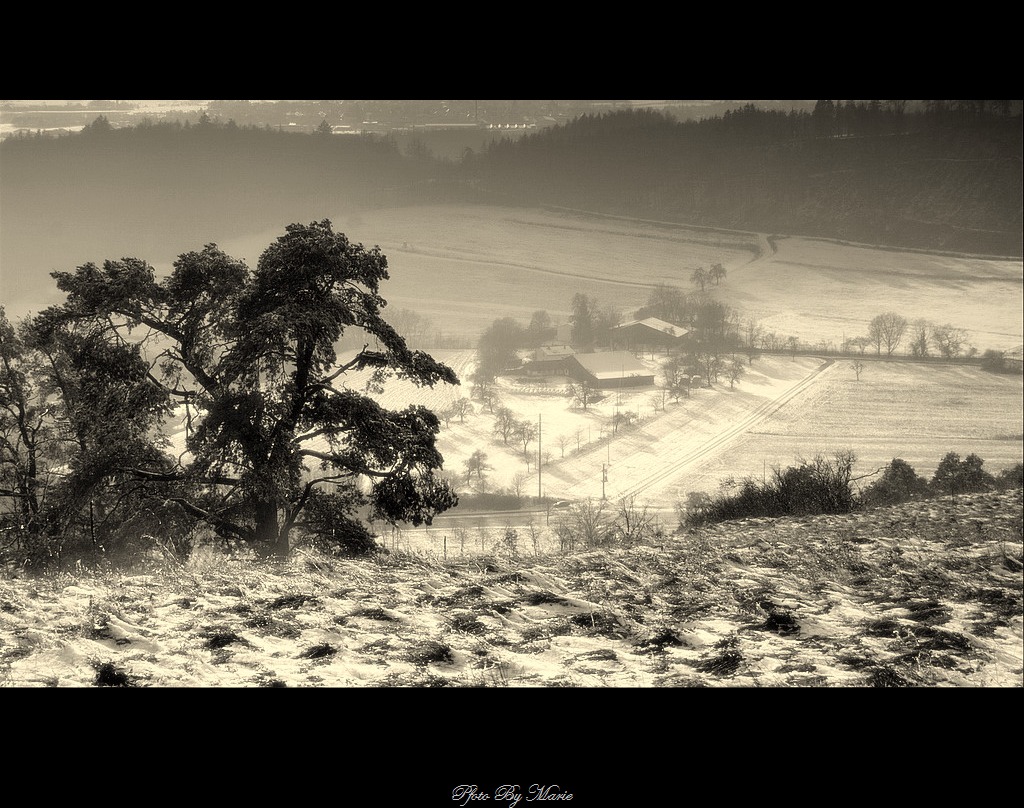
x,y
635,523
588,522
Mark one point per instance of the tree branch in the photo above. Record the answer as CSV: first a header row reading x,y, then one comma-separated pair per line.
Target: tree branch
x,y
175,476
342,369
339,460
223,524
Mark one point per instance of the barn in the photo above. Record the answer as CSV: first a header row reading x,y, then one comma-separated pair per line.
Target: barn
x,y
647,335
551,359
610,369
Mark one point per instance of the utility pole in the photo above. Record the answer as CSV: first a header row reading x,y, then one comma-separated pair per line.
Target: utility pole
x,y
604,479
538,459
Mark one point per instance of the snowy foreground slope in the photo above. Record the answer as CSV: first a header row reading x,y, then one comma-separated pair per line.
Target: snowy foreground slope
x,y
926,594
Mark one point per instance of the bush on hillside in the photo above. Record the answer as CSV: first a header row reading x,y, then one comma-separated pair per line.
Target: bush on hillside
x,y
821,485
994,361
899,483
587,523
955,476
94,534
1012,477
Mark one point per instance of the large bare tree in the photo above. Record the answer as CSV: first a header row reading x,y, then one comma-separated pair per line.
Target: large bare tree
x,y
886,330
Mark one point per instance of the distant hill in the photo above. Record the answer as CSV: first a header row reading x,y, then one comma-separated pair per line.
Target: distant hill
x,y
945,178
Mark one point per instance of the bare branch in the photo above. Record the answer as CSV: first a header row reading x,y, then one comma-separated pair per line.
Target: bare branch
x,y
223,524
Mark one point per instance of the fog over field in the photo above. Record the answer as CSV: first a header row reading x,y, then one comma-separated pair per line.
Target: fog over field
x,y
465,266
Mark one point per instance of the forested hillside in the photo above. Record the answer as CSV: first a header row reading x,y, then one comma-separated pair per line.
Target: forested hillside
x,y
948,177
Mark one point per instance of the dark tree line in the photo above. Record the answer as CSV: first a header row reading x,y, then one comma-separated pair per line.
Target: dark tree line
x,y
935,174
825,485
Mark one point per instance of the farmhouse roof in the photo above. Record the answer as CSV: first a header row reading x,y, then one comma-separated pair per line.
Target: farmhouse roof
x,y
655,324
612,365
552,350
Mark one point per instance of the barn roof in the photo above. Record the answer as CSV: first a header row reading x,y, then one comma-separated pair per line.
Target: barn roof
x,y
653,323
612,365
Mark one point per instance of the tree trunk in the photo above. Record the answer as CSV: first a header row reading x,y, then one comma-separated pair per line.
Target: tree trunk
x,y
270,539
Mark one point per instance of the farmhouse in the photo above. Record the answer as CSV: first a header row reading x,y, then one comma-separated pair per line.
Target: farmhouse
x,y
647,334
550,359
610,369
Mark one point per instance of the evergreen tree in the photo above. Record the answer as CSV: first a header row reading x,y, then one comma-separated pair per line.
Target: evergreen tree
x,y
250,357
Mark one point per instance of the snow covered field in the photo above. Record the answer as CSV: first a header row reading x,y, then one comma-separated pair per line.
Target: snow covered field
x,y
927,594
465,266
784,409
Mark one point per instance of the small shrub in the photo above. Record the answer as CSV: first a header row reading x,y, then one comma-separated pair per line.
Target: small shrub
x,y
660,640
994,361
955,476
330,528
781,622
220,639
292,601
499,606
467,622
1010,478
319,651
597,623
268,625
430,651
374,613
930,612
599,655
540,598
885,676
725,663
939,639
588,523
108,675
885,627
510,541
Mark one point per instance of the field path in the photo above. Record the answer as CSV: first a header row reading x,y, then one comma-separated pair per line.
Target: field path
x,y
659,458
675,465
